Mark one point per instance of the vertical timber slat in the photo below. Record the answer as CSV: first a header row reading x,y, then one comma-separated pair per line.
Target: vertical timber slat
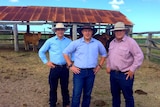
x,y
149,46
15,32
74,32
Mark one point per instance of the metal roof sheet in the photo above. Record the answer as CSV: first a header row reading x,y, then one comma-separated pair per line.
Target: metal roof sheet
x,y
61,14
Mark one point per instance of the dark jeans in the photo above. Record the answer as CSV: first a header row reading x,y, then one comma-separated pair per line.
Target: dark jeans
x,y
82,82
57,73
119,83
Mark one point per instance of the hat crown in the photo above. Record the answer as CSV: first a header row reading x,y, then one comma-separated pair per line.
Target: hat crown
x,y
119,25
86,26
59,25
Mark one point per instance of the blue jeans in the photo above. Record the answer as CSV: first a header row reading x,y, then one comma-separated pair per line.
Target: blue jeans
x,y
119,83
56,74
82,82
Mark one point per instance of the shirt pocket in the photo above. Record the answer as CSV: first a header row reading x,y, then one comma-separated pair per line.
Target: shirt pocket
x,y
54,47
123,51
110,50
111,47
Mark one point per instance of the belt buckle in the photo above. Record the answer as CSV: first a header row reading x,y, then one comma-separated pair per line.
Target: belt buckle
x,y
117,71
61,66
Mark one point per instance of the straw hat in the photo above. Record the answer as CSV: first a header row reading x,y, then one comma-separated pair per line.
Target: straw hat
x,y
86,26
119,26
59,26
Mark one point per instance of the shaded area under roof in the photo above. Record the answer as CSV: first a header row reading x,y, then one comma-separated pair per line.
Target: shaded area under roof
x,y
61,14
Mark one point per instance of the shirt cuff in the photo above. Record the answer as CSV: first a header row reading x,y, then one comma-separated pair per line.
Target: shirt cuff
x,y
132,69
45,61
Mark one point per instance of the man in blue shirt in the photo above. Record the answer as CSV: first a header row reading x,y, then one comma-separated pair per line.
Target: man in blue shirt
x,y
57,64
86,53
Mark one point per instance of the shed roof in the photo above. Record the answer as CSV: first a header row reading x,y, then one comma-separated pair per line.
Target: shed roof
x,y
61,14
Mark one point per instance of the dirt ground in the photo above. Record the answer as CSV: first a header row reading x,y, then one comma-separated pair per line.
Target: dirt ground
x,y
24,83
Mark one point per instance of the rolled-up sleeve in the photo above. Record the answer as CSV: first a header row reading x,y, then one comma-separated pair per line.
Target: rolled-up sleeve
x,y
42,52
102,50
69,49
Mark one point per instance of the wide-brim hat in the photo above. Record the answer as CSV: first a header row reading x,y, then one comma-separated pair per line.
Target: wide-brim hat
x,y
119,26
86,26
59,26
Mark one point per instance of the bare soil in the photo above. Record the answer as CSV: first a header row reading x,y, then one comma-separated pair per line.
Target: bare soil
x,y
24,83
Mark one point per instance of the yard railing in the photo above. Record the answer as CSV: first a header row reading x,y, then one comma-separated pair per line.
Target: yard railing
x,y
150,42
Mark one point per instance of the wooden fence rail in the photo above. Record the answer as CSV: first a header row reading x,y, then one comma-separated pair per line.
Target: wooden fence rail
x,y
150,44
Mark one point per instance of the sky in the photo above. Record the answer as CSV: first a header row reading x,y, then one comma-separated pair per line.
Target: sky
x,y
144,14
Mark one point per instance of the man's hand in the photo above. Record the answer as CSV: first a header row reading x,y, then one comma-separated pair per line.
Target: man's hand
x,y
75,69
96,69
129,74
50,64
108,70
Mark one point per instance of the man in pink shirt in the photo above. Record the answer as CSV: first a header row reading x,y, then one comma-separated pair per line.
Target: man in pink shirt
x,y
124,58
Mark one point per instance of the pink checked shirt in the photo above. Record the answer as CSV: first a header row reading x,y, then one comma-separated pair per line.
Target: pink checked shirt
x,y
124,55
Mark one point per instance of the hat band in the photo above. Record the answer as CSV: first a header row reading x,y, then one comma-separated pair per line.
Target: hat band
x,y
119,27
60,28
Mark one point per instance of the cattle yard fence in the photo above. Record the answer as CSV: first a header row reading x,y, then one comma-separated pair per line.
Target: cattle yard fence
x,y
150,43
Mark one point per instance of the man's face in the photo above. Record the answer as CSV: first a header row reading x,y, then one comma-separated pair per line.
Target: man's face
x,y
119,34
87,33
60,32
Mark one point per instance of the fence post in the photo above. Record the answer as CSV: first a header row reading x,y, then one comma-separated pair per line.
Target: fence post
x,y
148,46
16,48
74,32
11,37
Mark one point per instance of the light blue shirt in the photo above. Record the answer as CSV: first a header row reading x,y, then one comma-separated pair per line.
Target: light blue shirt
x,y
55,47
86,54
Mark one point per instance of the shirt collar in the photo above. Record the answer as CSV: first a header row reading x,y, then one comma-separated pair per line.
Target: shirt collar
x,y
82,39
56,37
123,39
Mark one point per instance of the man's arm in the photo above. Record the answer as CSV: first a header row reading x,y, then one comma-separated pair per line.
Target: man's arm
x,y
68,60
138,56
99,66
102,59
42,52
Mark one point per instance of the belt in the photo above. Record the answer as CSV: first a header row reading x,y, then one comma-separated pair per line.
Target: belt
x,y
117,71
60,65
86,68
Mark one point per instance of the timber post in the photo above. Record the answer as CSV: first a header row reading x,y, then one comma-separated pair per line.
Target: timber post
x,y
148,53
15,32
74,32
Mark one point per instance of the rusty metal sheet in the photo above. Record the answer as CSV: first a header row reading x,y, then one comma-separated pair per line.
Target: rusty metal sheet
x,y
51,14
16,13
101,13
61,14
76,18
60,18
87,12
84,19
91,19
98,19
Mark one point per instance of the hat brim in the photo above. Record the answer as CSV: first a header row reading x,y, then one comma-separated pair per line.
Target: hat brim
x,y
118,29
79,30
54,29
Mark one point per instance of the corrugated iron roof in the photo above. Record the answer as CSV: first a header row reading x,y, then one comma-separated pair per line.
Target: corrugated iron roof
x,y
61,14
